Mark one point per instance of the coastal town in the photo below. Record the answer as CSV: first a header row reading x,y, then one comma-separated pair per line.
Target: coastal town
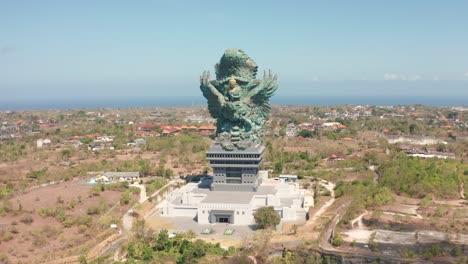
x,y
69,174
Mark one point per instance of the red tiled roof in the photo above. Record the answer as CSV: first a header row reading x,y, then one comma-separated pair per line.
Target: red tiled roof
x,y
146,125
140,132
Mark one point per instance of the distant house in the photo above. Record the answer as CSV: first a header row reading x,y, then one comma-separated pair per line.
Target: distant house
x,y
330,125
288,177
166,133
425,152
42,142
336,157
8,131
291,130
140,142
206,130
144,127
146,133
75,143
100,143
122,175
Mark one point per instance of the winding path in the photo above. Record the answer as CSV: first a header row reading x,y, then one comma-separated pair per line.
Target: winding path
x,y
331,187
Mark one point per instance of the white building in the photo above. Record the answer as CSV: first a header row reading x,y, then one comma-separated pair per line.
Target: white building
x,y
197,201
41,142
291,130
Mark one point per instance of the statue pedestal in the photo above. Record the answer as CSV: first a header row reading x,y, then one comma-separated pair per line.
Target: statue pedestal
x,y
235,170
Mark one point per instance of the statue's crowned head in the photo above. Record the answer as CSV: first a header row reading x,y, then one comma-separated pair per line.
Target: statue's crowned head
x,y
237,65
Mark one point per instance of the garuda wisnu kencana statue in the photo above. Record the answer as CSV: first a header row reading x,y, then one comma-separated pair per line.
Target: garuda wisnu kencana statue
x,y
238,101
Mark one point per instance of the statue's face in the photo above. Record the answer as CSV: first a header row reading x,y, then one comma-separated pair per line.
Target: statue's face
x,y
234,91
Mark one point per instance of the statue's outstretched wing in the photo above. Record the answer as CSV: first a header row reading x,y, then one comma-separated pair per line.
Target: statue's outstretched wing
x,y
261,94
214,97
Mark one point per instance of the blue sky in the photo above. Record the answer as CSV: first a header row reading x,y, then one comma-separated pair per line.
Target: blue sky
x,y
80,49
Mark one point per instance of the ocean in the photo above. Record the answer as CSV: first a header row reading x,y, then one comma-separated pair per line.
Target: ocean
x,y
177,101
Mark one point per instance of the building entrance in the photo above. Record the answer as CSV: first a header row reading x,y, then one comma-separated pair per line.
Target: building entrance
x,y
222,216
223,220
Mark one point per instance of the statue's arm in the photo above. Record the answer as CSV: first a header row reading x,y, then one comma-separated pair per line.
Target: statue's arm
x,y
208,88
267,86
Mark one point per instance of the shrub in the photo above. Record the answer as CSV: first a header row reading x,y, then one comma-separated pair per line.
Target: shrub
x,y
60,199
5,236
407,253
154,184
7,206
46,212
93,210
456,251
13,230
72,204
68,222
84,220
26,219
337,241
36,174
426,201
125,198
96,190
135,190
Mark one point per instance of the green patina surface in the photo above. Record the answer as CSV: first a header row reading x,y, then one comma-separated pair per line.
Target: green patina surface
x,y
238,101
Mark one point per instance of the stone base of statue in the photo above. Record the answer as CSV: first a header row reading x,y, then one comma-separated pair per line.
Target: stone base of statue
x,y
235,170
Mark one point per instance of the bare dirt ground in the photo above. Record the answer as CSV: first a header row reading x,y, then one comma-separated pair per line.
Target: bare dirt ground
x,y
41,238
406,222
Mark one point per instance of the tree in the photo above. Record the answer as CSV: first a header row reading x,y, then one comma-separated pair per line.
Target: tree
x,y
278,167
66,153
337,241
126,197
267,217
191,235
306,133
413,128
282,132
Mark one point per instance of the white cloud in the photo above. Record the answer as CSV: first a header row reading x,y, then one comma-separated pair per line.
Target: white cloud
x,y
394,77
401,77
465,74
435,78
414,78
6,49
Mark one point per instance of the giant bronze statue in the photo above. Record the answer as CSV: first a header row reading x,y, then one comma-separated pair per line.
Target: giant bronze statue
x,y
238,101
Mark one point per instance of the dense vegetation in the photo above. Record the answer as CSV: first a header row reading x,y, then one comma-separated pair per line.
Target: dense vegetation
x,y
362,194
419,177
159,247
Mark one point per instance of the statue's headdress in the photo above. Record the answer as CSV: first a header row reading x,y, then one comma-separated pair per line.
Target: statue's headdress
x,y
235,63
